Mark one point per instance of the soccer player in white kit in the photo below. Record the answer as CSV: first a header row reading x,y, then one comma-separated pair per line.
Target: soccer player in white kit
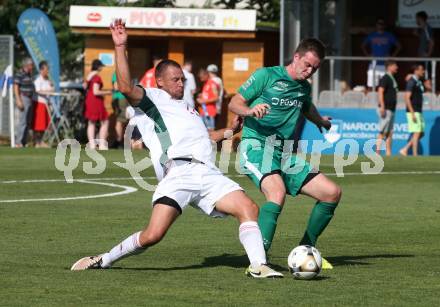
x,y
180,149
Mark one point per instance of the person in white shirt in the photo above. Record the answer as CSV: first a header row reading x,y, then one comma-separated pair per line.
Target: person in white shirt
x,y
180,149
212,70
43,88
190,83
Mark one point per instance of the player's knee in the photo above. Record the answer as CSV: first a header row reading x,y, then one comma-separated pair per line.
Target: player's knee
x,y
276,195
150,238
249,212
335,194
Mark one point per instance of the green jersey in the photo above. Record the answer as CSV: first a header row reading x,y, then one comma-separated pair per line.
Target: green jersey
x,y
286,97
116,94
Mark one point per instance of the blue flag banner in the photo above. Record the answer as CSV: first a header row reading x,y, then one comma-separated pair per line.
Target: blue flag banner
x,y
355,130
39,36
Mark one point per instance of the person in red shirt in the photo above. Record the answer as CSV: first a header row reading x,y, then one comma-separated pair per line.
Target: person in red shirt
x,y
149,79
207,99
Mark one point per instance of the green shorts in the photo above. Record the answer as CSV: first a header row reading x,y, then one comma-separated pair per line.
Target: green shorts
x,y
419,125
257,162
119,108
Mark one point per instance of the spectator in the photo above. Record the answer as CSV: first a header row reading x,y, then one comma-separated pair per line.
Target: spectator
x,y
43,87
415,88
94,107
208,99
379,43
190,83
149,78
426,40
119,104
24,90
387,94
213,74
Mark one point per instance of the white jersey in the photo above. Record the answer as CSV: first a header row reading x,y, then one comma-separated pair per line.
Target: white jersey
x,y
42,84
172,129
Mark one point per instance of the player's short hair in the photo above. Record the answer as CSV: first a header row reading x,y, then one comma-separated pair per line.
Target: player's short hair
x,y
389,63
422,15
43,64
187,62
313,45
416,66
163,65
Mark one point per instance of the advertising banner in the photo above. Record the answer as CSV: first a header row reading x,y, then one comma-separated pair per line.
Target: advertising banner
x,y
409,8
355,131
39,37
164,18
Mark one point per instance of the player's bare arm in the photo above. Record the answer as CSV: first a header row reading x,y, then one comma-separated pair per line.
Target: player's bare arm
x,y
320,121
225,133
380,94
239,106
119,35
409,106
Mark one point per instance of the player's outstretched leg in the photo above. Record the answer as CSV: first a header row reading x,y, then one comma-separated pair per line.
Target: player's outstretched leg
x,y
328,194
161,219
275,192
245,210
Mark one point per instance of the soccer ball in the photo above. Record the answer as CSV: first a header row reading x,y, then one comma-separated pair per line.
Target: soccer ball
x,y
305,262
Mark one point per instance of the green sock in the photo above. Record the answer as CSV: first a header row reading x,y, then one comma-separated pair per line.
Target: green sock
x,y
321,215
267,220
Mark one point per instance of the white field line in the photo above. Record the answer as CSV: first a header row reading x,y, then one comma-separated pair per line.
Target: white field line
x,y
126,190
436,172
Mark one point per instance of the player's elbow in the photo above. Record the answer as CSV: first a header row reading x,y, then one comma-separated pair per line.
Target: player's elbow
x,y
126,89
233,104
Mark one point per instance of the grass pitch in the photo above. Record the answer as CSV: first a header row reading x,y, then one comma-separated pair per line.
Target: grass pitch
x,y
384,241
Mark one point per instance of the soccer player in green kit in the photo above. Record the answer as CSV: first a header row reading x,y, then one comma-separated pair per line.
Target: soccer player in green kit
x,y
271,101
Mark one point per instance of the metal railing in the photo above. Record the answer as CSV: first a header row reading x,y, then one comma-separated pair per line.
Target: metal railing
x,y
374,60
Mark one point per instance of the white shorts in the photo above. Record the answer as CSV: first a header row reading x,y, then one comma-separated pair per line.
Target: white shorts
x,y
379,73
194,184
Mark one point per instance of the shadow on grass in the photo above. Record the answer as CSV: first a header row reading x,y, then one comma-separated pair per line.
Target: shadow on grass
x,y
224,260
361,259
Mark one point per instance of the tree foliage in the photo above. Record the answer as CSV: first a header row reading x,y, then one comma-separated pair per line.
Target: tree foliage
x,y
71,45
266,10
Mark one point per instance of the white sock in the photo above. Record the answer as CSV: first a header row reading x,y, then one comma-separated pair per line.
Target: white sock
x,y
252,240
128,247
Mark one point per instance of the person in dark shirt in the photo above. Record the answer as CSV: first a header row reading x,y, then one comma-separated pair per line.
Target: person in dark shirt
x,y
24,91
415,87
387,95
425,34
426,39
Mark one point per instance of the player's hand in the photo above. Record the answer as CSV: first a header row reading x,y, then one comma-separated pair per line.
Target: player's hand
x,y
325,123
259,111
382,112
414,118
119,34
237,124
